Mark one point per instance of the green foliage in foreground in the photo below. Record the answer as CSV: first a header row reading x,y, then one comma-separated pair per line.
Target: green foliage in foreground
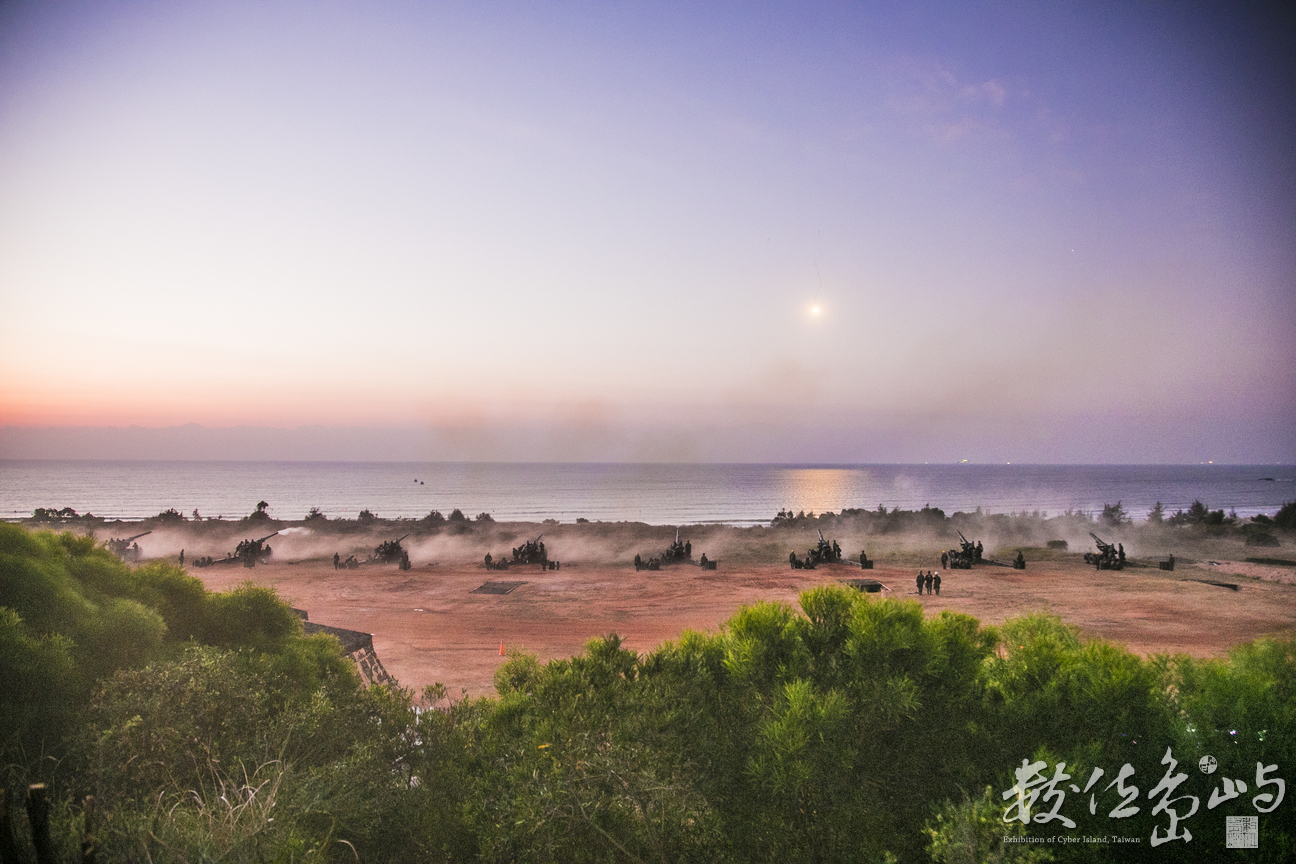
x,y
850,729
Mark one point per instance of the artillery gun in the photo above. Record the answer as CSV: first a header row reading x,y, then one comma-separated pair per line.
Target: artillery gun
x,y
123,549
966,555
531,552
825,552
1108,557
391,551
247,553
678,551
252,551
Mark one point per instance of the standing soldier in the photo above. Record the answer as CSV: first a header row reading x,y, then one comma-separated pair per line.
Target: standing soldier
x,y
181,557
919,580
944,559
336,560
936,582
928,581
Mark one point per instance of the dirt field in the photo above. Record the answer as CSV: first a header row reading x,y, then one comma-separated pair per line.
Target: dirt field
x,y
428,626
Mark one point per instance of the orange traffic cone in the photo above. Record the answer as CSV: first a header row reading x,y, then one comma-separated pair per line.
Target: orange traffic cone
x,y
501,649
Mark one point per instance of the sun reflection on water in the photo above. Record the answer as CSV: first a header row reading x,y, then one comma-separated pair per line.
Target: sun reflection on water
x,y
821,489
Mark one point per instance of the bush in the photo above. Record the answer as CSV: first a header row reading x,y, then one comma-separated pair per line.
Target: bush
x,y
1114,515
1285,518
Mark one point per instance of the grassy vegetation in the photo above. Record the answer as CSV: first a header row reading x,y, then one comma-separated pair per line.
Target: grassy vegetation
x,y
847,729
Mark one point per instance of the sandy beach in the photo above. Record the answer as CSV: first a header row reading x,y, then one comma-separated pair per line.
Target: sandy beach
x,y
428,626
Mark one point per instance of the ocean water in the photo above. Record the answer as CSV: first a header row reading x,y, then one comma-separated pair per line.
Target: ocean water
x,y
653,493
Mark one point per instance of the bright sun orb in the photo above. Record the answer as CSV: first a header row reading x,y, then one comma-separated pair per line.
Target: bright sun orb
x,y
814,310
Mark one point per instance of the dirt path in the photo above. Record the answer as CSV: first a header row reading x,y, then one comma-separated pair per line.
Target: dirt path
x,y
429,627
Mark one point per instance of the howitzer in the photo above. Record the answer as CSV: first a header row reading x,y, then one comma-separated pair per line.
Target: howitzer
x,y
250,550
1104,547
121,548
390,550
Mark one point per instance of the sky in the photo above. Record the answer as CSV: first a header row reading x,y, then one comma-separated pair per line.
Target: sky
x,y
809,233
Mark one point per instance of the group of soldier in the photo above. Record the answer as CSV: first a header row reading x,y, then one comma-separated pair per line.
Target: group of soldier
x,y
964,557
351,563
531,552
824,553
930,580
251,551
679,552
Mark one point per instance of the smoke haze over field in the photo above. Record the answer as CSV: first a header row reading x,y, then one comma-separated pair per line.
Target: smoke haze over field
x,y
555,232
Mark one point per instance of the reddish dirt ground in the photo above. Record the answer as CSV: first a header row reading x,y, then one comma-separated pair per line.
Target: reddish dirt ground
x,y
428,626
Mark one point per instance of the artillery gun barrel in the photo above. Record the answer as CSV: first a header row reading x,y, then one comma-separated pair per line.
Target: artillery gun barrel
x,y
402,537
1099,540
267,537
136,537
961,537
821,537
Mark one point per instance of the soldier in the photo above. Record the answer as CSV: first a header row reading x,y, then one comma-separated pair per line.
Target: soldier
x,y
792,560
978,552
638,562
704,559
919,580
836,551
936,582
337,559
863,560
928,581
488,561
181,557
688,549
1121,553
944,559
1021,560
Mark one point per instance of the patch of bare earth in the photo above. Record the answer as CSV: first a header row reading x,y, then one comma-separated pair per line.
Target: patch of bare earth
x,y
429,627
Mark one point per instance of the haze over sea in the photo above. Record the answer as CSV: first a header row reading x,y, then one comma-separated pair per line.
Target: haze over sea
x,y
664,494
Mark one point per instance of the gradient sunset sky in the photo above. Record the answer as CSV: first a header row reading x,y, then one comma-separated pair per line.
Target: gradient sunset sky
x,y
1033,232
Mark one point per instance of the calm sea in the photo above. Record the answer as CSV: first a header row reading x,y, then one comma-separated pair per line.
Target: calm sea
x,y
653,493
